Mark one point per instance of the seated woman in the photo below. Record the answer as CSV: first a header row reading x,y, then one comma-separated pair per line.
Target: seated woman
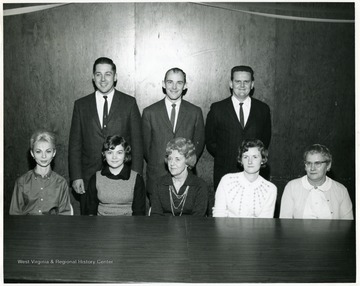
x,y
41,190
116,190
316,196
246,194
180,192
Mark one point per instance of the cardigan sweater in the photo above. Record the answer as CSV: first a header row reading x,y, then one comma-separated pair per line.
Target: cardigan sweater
x,y
196,199
296,193
236,196
112,195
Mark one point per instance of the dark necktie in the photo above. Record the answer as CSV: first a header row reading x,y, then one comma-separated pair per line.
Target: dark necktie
x,y
105,112
242,121
172,116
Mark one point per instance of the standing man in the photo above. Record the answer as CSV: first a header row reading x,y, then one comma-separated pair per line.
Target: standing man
x,y
105,112
169,118
234,119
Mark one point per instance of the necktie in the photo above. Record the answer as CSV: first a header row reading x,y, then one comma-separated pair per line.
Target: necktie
x,y
105,112
172,116
242,121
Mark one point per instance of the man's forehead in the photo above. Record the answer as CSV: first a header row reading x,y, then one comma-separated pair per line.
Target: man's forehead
x,y
175,75
103,67
242,75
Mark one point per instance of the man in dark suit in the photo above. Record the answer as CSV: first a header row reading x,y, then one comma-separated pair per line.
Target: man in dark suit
x,y
234,119
158,128
105,112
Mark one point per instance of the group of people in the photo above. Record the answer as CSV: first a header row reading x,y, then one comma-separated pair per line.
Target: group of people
x,y
109,139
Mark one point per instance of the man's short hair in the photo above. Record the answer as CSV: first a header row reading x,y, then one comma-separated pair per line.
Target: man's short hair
x,y
104,60
242,69
175,70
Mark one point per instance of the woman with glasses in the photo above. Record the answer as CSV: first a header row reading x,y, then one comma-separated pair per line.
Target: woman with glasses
x,y
316,196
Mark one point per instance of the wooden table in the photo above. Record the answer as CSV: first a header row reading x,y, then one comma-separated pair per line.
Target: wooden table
x,y
180,249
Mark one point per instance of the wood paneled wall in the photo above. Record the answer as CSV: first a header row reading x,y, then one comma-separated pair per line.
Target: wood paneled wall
x,y
305,71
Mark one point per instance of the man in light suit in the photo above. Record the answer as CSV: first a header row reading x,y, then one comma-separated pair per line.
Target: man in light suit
x,y
158,130
234,119
105,112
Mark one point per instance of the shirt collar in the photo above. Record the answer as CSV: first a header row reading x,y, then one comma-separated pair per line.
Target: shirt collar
x,y
123,175
169,103
324,187
109,96
236,101
46,176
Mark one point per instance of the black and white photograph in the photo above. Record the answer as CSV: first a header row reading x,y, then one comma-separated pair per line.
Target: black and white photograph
x,y
179,142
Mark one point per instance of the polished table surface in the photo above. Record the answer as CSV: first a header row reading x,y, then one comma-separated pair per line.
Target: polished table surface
x,y
177,249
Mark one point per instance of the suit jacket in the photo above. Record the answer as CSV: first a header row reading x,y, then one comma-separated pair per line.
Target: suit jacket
x,y
157,131
224,134
87,136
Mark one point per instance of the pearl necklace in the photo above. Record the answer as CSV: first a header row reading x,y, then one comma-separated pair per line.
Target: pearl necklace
x,y
182,199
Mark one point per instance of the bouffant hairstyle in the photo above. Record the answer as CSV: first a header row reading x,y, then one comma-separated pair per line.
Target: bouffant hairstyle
x,y
42,135
250,143
115,140
183,146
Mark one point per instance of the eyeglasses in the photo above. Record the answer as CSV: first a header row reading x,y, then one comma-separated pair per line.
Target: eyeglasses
x,y
317,164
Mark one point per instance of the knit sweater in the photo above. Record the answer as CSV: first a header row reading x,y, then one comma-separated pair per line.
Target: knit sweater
x,y
297,191
236,196
113,195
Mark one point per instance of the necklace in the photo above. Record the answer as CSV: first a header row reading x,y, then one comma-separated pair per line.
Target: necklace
x,y
182,199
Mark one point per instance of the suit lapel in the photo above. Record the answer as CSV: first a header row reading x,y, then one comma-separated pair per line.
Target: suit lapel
x,y
252,114
93,111
116,102
232,112
164,115
181,117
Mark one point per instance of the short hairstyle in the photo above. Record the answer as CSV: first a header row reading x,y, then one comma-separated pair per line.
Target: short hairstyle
x,y
42,135
114,140
318,149
242,69
175,70
183,146
250,143
104,60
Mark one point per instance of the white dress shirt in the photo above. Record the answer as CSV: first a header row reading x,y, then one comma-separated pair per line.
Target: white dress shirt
x,y
246,107
100,100
168,105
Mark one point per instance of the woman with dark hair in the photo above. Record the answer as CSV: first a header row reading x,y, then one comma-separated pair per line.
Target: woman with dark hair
x,y
316,196
180,192
246,194
116,190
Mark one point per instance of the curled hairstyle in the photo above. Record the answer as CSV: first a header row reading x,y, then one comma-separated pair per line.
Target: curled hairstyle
x,y
184,147
42,135
318,149
175,70
250,143
115,140
242,69
104,60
